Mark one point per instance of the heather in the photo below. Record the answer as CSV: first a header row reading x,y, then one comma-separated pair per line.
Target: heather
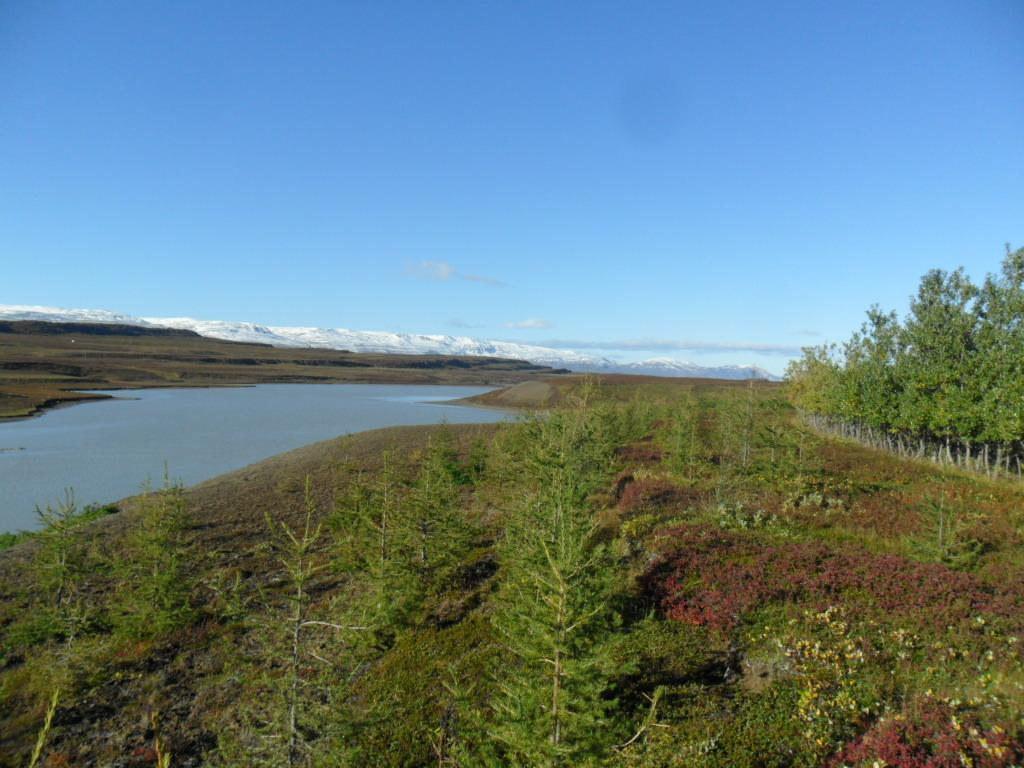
x,y
714,577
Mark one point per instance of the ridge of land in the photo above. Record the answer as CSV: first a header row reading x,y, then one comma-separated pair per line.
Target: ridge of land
x,y
48,364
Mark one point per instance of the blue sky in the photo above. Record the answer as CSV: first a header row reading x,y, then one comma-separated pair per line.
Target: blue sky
x,y
733,180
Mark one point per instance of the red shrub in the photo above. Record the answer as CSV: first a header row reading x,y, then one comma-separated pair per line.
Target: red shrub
x,y
655,494
144,755
931,735
640,453
712,577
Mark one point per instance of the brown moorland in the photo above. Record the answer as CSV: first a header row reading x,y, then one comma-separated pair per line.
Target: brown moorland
x,y
48,364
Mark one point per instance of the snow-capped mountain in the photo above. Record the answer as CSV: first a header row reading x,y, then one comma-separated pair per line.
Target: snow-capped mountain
x,y
60,315
377,341
387,342
667,366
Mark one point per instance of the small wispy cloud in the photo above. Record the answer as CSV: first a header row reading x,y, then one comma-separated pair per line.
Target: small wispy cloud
x,y
673,345
458,322
443,271
431,270
810,334
484,280
531,323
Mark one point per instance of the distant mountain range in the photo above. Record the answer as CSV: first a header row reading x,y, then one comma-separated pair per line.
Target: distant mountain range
x,y
387,342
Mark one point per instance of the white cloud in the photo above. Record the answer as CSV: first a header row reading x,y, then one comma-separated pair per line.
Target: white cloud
x,y
431,270
529,324
667,345
458,322
482,279
442,271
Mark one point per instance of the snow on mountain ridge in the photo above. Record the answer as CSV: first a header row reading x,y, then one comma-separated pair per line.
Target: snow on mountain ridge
x,y
663,366
388,342
377,341
220,329
61,315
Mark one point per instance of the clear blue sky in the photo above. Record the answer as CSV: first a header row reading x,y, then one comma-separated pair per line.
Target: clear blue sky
x,y
715,175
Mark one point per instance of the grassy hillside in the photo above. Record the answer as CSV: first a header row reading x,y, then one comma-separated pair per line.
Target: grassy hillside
x,y
42,363
659,573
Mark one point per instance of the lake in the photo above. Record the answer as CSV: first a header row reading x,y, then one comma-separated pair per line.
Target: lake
x,y
106,450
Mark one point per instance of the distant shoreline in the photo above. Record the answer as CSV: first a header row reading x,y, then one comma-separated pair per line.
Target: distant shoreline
x,y
94,396
48,365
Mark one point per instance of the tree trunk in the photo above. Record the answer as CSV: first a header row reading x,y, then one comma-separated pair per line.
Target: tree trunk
x,y
293,704
556,682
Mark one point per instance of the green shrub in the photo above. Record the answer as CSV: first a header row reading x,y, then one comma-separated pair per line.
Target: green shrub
x,y
703,729
154,579
409,689
669,651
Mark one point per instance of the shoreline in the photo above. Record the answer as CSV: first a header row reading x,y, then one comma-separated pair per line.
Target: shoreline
x,y
93,395
54,404
477,420
43,370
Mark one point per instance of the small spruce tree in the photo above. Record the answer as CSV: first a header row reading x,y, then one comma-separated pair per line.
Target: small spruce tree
x,y
154,572
59,567
431,531
553,612
298,661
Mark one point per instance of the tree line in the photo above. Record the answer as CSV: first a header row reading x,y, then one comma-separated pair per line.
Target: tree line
x,y
945,382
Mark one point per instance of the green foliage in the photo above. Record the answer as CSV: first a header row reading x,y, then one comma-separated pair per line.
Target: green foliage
x,y
736,517
685,447
370,525
79,517
58,563
660,652
229,603
296,666
950,376
635,530
813,380
828,657
476,462
615,424
406,543
59,569
413,689
754,730
432,532
466,611
153,572
553,611
44,732
945,536
816,495
762,733
8,538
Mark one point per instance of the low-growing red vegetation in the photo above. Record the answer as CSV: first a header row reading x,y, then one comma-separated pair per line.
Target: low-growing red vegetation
x,y
653,494
886,513
931,735
144,755
643,452
711,577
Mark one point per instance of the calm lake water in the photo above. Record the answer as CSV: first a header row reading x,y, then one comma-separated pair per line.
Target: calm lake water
x,y
106,450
